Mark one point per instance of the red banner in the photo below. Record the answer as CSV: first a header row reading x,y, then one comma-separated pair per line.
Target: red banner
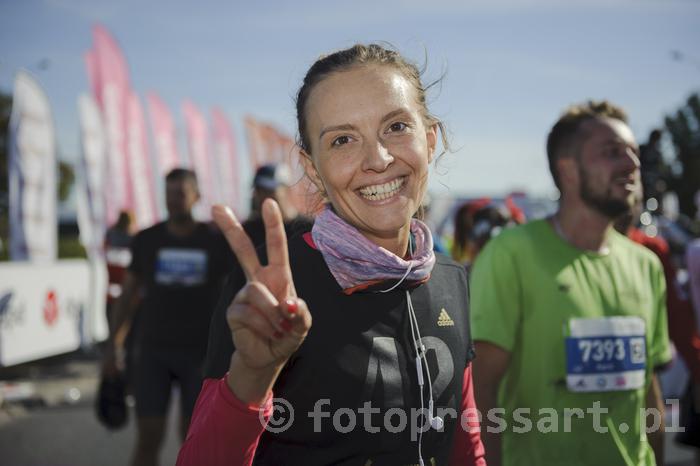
x,y
198,143
109,79
143,181
254,140
164,134
225,159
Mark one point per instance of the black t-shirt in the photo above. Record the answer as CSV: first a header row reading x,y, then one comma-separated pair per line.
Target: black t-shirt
x,y
359,350
255,228
182,278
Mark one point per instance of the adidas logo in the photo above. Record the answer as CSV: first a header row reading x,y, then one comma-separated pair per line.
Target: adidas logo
x,y
444,320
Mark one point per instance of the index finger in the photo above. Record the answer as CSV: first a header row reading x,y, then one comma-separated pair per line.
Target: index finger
x,y
238,239
275,236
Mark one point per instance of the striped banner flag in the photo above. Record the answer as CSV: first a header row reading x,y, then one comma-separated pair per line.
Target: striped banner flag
x,y
226,160
141,169
164,134
32,173
92,176
109,79
198,143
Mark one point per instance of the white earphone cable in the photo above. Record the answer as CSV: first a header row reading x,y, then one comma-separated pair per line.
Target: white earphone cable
x,y
419,348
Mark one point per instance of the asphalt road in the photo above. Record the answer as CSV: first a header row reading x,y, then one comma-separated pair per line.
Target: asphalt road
x,y
57,425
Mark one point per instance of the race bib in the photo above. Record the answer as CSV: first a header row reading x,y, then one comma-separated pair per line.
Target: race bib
x,y
606,354
181,267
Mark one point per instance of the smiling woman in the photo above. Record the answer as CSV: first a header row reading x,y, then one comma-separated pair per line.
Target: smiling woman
x,y
369,151
390,335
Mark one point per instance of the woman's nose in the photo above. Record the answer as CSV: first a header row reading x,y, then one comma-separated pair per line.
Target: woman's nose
x,y
377,157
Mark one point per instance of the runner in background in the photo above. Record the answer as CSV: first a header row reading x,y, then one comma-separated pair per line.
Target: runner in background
x,y
475,223
569,316
178,267
272,181
691,400
117,246
682,325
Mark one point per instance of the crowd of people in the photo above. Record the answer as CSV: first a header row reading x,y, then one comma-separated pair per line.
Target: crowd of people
x,y
344,338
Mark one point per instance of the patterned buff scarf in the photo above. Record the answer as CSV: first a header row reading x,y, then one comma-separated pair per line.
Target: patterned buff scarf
x,y
357,263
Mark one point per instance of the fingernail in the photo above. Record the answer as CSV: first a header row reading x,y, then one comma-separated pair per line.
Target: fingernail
x,y
278,334
292,306
286,325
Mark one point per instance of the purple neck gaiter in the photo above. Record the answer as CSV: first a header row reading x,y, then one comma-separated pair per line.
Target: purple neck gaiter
x,y
357,263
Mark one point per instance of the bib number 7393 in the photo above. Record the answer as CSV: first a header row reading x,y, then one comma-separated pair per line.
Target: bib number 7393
x,y
606,354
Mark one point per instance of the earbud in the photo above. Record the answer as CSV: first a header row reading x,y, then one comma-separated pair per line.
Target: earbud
x,y
435,422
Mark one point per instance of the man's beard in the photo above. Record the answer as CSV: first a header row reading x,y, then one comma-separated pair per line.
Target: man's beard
x,y
604,203
181,217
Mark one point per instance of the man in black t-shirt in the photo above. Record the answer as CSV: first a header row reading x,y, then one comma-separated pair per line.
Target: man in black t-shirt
x,y
178,267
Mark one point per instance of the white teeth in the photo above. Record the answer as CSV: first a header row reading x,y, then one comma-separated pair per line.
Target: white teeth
x,y
382,191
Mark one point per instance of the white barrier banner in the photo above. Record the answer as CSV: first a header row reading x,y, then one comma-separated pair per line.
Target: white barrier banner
x,y
48,309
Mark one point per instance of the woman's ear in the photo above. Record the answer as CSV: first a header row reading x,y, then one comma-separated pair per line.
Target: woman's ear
x,y
432,137
310,170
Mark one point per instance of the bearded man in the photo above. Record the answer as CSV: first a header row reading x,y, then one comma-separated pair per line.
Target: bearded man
x,y
569,316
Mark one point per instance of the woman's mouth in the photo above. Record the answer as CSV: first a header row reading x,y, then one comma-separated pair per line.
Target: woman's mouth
x,y
380,192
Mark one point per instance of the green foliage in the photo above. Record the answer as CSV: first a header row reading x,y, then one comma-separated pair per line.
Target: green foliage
x,y
69,247
5,108
66,178
684,128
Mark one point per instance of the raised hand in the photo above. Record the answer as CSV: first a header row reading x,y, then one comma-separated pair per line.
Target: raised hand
x,y
268,322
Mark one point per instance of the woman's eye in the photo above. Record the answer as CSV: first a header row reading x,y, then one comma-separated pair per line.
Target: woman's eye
x,y
340,140
398,127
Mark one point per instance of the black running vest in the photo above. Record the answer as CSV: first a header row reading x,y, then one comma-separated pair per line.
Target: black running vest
x,y
353,383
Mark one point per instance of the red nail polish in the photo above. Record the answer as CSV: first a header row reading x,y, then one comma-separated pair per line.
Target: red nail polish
x,y
292,306
286,325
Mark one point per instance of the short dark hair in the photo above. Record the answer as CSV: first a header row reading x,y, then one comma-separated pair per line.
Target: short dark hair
x,y
179,174
564,134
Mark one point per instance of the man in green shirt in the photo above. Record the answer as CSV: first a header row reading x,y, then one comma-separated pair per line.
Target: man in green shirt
x,y
569,316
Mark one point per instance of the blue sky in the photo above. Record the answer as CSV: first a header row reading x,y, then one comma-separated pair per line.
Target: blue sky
x,y
511,66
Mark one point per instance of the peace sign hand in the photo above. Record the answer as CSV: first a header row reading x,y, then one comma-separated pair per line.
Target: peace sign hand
x,y
268,322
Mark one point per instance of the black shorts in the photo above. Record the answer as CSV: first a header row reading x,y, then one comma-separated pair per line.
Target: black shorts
x,y
154,371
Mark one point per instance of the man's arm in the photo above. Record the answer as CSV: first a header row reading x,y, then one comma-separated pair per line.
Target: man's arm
x,y
656,433
124,310
488,370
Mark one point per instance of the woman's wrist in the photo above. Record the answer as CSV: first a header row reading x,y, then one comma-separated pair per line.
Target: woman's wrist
x,y
251,385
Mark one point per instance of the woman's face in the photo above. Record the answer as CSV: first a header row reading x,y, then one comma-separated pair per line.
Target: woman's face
x,y
370,150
